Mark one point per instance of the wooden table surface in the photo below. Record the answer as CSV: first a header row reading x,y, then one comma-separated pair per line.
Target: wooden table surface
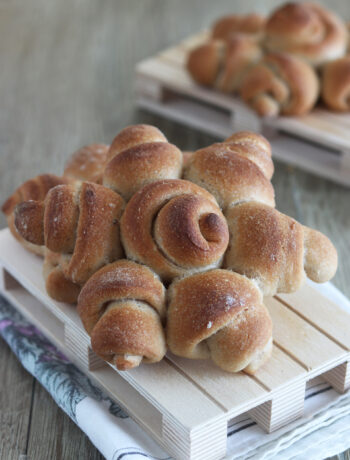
x,y
67,80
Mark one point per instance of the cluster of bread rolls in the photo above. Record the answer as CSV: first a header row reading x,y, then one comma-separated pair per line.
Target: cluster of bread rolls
x,y
280,64
167,252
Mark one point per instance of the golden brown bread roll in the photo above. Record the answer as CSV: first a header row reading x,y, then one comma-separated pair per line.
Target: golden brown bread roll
x,y
307,30
80,223
139,155
87,163
235,170
228,26
219,315
33,189
223,65
122,307
280,84
174,227
275,250
335,84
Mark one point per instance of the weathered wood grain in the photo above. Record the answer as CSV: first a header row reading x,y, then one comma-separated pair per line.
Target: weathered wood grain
x,y
66,80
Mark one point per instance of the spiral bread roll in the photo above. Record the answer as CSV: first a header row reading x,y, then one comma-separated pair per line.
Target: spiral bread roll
x,y
223,65
219,315
228,26
281,84
238,169
275,250
80,223
174,227
307,30
33,189
139,155
336,84
122,307
87,163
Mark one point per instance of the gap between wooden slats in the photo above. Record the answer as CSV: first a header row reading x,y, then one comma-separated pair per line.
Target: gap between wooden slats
x,y
300,339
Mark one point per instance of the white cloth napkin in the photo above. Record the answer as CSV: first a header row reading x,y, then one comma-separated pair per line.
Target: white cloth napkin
x,y
323,431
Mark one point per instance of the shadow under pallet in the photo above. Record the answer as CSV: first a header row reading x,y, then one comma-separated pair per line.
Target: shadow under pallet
x,y
318,142
186,405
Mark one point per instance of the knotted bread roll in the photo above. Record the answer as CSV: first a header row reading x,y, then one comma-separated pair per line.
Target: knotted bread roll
x,y
122,307
80,223
307,30
227,27
219,315
238,169
174,227
280,84
33,189
335,88
139,155
275,250
87,163
223,65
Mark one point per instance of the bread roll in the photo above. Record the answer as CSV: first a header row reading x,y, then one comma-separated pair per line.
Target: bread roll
x,y
80,223
122,307
223,65
33,189
281,84
335,88
139,155
307,30
275,250
87,163
228,26
235,170
174,227
219,315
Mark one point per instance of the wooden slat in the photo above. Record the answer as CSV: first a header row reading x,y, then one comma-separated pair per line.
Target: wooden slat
x,y
303,342
321,312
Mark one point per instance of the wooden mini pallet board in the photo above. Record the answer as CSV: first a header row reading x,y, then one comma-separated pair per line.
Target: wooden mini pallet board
x,y
318,142
186,405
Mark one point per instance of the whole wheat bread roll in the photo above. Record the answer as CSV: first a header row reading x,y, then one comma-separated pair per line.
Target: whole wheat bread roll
x,y
307,30
87,163
174,227
335,84
219,315
228,26
122,307
275,250
235,170
79,222
223,65
280,84
33,189
139,155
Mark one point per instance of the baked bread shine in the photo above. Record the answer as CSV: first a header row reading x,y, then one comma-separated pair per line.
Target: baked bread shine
x,y
79,222
228,26
175,228
335,87
219,315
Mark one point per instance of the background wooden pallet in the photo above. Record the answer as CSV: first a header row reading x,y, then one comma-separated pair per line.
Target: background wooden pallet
x,y
318,142
186,405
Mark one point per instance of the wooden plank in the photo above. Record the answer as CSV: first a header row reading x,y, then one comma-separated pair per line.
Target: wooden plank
x,y
321,313
302,341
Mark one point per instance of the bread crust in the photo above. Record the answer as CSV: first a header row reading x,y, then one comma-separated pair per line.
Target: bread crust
x,y
87,163
122,307
308,31
228,26
219,315
175,227
336,84
139,155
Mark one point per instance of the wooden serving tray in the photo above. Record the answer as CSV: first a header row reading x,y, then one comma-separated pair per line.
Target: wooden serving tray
x,y
186,405
318,142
